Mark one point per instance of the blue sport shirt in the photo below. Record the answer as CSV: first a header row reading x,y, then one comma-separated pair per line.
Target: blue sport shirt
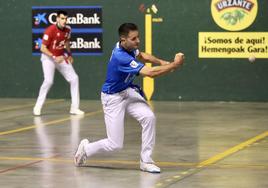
x,y
122,69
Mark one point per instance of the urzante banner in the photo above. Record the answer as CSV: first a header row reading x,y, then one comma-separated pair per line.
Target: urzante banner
x,y
85,21
233,16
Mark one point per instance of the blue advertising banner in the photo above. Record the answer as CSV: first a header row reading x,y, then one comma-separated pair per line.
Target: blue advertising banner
x,y
85,21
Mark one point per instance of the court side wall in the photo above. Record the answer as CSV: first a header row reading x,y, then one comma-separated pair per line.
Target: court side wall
x,y
206,79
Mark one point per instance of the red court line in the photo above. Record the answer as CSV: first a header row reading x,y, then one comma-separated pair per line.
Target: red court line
x,y
19,166
24,165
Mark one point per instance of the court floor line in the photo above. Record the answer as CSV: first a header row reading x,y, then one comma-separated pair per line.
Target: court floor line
x,y
62,160
232,150
18,167
47,123
160,163
29,105
212,160
35,160
23,165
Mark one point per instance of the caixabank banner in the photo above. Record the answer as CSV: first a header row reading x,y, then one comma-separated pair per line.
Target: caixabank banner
x,y
85,21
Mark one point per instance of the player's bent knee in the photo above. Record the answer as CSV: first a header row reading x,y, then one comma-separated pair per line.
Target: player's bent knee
x,y
113,146
117,147
150,117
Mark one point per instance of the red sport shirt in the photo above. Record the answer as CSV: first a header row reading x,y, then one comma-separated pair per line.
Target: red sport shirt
x,y
54,39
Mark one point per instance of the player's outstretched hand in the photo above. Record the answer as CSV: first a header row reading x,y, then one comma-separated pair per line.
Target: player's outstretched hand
x,y
179,59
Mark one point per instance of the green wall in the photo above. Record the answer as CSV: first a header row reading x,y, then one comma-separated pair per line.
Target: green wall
x,y
199,80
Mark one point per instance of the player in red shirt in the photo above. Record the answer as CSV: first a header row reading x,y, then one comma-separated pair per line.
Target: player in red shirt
x,y
56,40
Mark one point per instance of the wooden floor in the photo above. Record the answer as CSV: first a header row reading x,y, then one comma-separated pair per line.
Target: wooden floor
x,y
198,144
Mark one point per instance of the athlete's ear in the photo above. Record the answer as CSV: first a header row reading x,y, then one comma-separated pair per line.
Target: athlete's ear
x,y
122,38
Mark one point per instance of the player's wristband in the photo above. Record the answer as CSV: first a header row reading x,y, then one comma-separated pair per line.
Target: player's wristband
x,y
69,54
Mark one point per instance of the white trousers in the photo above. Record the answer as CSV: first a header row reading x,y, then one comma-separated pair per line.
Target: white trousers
x,y
115,106
67,71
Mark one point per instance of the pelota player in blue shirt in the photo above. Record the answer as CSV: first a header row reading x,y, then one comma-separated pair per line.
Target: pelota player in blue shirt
x,y
119,97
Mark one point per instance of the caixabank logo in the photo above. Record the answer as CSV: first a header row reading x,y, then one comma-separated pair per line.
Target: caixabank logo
x,y
234,15
81,43
40,18
85,21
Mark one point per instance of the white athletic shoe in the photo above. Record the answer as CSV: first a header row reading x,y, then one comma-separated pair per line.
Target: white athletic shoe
x,y
149,167
80,155
37,111
76,111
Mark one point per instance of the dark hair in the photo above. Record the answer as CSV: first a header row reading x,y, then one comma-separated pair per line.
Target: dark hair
x,y
62,12
124,29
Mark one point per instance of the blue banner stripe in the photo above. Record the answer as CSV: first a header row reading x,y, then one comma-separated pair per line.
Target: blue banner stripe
x,y
80,30
97,30
75,53
38,30
87,53
65,7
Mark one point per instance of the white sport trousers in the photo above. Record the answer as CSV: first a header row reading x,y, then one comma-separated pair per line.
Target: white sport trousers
x,y
115,106
67,71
